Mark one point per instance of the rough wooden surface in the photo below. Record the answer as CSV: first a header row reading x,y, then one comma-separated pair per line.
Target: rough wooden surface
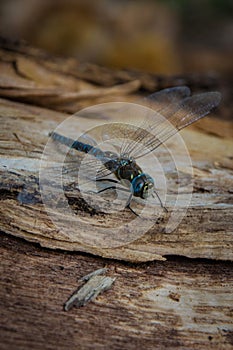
x,y
206,230
176,303
184,304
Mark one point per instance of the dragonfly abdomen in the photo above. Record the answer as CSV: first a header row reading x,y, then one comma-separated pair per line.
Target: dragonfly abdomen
x,y
78,145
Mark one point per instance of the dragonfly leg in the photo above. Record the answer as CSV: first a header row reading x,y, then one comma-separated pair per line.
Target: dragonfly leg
x,y
161,203
107,188
109,180
113,188
129,200
105,180
128,204
121,189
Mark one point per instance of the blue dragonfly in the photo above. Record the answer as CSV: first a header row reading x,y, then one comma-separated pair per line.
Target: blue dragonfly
x,y
178,109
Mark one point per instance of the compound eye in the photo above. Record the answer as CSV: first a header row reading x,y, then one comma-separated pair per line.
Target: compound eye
x,y
148,189
145,191
137,187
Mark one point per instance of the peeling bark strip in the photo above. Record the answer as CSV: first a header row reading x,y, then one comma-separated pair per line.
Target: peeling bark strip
x,y
90,290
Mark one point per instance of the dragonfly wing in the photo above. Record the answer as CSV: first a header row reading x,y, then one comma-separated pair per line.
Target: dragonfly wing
x,y
129,134
158,128
160,100
86,138
123,137
88,166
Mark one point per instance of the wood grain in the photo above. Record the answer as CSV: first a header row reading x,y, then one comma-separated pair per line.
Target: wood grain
x,y
175,303
182,303
206,230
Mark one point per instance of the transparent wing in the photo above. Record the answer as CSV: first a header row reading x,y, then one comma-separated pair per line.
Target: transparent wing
x,y
86,167
162,102
159,127
128,134
91,167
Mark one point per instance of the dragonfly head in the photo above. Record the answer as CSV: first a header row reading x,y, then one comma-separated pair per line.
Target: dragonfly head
x,y
142,186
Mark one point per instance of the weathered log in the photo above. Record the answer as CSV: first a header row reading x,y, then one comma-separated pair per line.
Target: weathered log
x,y
181,302
206,230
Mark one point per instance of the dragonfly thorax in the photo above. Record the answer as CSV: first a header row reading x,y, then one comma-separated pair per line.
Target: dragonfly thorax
x,y
127,170
131,175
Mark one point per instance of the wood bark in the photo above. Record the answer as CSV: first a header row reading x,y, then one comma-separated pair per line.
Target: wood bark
x,y
176,303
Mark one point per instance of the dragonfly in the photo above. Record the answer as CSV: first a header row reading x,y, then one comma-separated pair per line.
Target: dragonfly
x,y
177,108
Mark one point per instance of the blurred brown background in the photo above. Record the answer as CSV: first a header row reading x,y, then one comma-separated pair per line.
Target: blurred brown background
x,y
165,37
